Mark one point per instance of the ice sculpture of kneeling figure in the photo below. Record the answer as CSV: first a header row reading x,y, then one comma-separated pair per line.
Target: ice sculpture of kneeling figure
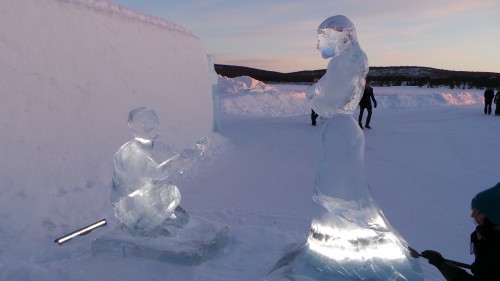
x,y
350,239
146,200
142,196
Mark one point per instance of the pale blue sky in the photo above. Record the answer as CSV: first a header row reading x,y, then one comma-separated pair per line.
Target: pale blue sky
x,y
280,35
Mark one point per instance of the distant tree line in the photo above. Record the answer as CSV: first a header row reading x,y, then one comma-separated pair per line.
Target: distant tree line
x,y
453,82
380,76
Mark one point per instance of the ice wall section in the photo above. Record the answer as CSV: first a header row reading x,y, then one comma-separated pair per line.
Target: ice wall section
x,y
70,71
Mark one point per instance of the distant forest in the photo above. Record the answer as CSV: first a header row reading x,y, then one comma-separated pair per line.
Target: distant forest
x,y
379,76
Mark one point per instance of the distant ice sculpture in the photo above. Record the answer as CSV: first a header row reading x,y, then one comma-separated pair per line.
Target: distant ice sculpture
x,y
146,200
350,239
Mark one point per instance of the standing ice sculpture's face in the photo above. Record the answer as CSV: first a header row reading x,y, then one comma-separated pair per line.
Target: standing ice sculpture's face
x,y
144,124
332,43
335,35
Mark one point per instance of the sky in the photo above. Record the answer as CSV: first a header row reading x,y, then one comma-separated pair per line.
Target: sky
x,y
281,35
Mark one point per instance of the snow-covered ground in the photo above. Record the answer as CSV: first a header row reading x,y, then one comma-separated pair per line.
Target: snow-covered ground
x,y
429,152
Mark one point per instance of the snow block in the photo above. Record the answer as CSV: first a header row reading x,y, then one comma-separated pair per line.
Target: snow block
x,y
198,241
71,70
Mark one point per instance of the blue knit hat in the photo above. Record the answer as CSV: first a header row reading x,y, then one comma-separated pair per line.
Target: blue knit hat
x,y
488,203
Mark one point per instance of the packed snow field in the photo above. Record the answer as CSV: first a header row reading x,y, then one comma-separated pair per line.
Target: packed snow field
x,y
429,152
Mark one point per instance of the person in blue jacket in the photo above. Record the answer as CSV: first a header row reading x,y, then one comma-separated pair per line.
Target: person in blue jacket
x,y
485,242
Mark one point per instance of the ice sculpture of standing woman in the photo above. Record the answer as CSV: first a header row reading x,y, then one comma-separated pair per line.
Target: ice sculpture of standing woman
x,y
350,239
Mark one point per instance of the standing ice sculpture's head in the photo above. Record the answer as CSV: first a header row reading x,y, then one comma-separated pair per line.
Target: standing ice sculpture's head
x,y
144,123
335,35
339,90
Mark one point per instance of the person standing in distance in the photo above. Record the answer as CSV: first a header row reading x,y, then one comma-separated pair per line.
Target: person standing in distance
x,y
314,115
497,103
365,102
489,94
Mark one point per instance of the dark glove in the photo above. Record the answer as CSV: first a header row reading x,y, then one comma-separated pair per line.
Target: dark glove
x,y
375,104
435,258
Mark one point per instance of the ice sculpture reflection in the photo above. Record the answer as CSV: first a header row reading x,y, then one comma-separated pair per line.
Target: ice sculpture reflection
x,y
350,239
144,195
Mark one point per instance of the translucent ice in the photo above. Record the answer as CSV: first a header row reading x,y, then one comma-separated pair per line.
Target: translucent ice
x,y
350,239
144,194
215,94
192,244
339,90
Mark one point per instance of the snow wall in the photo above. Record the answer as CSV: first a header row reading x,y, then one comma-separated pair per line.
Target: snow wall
x,y
73,68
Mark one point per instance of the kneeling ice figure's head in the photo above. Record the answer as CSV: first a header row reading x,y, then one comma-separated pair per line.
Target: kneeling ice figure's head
x,y
335,35
144,123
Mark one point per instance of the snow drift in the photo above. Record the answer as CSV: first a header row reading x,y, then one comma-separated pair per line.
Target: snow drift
x,y
247,96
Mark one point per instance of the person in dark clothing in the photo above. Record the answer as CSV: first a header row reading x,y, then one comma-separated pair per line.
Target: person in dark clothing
x,y
365,102
314,115
489,94
485,242
497,103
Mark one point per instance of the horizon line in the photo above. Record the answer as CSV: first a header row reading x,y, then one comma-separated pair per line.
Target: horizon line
x,y
393,66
